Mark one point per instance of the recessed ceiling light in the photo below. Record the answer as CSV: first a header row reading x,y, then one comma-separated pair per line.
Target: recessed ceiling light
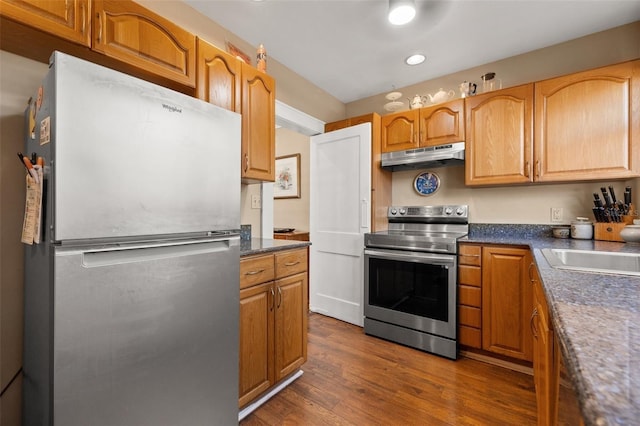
x,y
401,11
415,59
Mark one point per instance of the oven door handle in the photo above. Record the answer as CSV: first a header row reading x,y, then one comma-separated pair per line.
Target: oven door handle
x,y
413,257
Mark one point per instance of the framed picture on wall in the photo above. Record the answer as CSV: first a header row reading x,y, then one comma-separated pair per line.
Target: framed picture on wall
x,y
287,184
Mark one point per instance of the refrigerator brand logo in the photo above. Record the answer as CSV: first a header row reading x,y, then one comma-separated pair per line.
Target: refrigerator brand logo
x,y
172,108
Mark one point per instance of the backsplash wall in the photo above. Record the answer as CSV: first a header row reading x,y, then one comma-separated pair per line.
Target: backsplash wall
x,y
530,204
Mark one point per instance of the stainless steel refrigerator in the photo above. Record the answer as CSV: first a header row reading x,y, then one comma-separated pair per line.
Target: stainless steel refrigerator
x,y
132,295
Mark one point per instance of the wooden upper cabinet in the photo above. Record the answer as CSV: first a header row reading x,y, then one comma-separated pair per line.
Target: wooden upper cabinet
x,y
430,126
69,19
588,125
400,130
442,124
126,31
258,125
499,137
337,125
219,79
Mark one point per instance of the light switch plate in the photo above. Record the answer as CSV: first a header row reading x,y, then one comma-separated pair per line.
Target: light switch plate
x,y
256,202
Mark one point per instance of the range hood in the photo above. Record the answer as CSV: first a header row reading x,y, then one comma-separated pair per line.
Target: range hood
x,y
432,156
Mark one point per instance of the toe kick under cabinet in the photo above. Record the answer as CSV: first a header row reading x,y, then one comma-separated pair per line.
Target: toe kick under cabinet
x,y
273,319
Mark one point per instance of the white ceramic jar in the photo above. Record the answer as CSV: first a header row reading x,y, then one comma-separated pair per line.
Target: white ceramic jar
x,y
582,229
631,233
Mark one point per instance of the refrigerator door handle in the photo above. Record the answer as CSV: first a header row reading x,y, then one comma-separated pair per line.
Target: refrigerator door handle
x,y
141,252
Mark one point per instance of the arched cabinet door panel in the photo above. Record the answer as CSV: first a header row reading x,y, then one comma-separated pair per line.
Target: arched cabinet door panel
x,y
499,137
128,32
588,125
400,131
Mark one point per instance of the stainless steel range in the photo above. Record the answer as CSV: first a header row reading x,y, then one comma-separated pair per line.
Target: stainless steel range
x,y
410,277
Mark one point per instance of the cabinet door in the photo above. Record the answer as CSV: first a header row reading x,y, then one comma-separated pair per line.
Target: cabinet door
x,y
400,131
219,81
545,371
442,124
291,324
68,19
506,301
258,125
257,305
128,32
588,125
499,137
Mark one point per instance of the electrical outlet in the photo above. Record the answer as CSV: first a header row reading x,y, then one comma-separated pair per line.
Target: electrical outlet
x,y
556,214
256,202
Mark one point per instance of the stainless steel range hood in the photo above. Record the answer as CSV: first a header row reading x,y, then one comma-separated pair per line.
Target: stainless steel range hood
x,y
433,156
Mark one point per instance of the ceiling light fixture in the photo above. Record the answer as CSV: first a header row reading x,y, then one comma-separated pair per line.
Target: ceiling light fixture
x,y
416,59
401,11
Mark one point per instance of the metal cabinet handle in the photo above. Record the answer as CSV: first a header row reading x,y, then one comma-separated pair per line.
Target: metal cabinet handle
x,y
259,271
531,324
530,274
527,168
84,18
99,27
292,263
273,299
538,168
246,162
279,297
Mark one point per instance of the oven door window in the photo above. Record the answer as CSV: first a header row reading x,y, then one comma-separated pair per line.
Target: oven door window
x,y
410,287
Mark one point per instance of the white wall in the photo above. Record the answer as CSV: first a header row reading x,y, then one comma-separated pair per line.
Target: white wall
x,y
293,212
19,79
528,204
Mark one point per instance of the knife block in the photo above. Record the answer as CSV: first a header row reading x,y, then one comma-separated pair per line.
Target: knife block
x,y
607,231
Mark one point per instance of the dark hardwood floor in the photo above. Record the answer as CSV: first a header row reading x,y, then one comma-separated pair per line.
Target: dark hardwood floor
x,y
354,379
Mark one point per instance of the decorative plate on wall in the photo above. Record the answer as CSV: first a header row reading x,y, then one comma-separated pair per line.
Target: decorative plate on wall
x,y
426,183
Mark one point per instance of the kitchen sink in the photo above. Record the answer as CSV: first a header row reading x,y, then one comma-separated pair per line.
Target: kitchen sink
x,y
594,261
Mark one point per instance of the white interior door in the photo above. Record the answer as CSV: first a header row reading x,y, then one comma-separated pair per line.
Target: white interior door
x,y
340,180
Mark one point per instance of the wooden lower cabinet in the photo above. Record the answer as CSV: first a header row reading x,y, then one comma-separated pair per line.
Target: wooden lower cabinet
x,y
546,357
470,296
293,235
495,299
273,319
506,301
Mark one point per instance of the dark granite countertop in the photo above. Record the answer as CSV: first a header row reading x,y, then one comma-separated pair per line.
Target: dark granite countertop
x,y
266,245
596,318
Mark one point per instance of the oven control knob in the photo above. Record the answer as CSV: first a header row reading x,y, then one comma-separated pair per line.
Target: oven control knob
x,y
448,211
394,211
459,211
403,211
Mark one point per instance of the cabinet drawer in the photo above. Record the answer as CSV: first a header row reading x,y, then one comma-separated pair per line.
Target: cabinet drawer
x,y
470,336
470,316
469,296
291,262
256,270
469,255
470,275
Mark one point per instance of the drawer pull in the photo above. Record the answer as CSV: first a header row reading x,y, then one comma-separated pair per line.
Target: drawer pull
x,y
279,297
259,271
531,325
292,263
273,299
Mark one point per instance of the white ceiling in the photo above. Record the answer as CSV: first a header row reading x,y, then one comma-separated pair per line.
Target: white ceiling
x,y
348,48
